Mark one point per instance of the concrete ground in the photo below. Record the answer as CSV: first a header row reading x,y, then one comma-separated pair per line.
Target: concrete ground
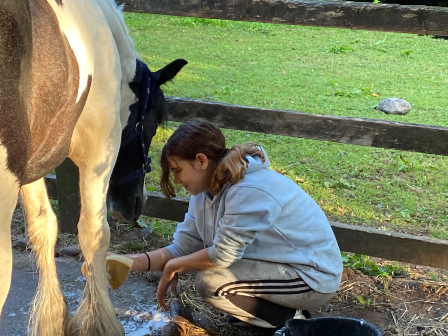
x,y
134,300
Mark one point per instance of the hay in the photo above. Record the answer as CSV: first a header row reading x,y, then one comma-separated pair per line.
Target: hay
x,y
194,302
191,299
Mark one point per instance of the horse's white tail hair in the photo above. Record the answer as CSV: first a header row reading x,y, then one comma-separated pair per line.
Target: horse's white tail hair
x,y
49,314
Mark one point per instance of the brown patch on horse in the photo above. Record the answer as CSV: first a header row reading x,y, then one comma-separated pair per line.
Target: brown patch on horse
x,y
53,110
59,2
15,60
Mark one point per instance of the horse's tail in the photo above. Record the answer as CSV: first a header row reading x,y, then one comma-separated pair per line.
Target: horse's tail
x,y
49,312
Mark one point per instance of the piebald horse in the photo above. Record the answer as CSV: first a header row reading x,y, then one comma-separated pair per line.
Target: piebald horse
x,y
71,84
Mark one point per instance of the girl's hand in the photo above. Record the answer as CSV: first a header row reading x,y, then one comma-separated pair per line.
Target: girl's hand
x,y
196,261
168,279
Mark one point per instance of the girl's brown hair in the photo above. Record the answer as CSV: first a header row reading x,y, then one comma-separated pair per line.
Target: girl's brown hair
x,y
199,136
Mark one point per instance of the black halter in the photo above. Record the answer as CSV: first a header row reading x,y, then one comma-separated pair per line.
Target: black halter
x,y
132,131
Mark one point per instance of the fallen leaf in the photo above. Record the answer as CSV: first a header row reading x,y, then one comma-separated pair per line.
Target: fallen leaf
x,y
142,223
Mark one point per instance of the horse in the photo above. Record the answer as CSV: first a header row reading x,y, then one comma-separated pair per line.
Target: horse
x,y
127,192
70,80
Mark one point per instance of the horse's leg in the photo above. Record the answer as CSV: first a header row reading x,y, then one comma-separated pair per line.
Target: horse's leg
x,y
96,315
49,312
8,201
9,190
95,159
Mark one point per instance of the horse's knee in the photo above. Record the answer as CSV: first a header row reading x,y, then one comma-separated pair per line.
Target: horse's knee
x,y
5,277
94,240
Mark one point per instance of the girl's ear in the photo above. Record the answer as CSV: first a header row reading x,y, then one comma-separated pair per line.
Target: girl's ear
x,y
202,160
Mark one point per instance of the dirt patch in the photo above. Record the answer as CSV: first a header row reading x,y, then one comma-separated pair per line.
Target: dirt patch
x,y
416,304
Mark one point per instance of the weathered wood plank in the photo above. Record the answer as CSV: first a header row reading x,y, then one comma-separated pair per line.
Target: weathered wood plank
x,y
159,206
393,246
67,187
335,14
351,238
354,131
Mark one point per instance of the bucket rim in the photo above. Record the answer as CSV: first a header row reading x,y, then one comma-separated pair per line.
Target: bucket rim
x,y
336,318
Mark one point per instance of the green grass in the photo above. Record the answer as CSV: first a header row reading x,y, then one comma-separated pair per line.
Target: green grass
x,y
132,246
367,266
318,71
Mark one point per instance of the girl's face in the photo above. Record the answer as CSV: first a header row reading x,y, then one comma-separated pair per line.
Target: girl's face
x,y
193,175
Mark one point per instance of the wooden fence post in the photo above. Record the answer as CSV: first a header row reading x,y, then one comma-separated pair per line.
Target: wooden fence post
x,y
68,196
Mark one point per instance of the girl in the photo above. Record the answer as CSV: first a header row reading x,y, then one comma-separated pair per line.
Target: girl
x,y
263,247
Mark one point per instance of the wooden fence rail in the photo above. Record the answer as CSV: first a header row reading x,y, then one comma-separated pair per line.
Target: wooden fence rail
x,y
334,14
355,131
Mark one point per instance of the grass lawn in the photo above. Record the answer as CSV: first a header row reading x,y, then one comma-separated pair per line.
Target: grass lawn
x,y
319,71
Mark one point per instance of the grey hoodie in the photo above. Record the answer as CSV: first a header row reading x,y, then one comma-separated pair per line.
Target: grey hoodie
x,y
265,216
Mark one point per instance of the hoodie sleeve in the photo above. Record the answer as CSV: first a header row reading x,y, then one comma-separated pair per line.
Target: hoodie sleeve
x,y
248,211
186,239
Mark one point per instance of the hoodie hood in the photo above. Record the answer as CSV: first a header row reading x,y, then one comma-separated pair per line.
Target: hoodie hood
x,y
255,163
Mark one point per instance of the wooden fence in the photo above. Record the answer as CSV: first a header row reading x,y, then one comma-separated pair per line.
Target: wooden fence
x,y
355,131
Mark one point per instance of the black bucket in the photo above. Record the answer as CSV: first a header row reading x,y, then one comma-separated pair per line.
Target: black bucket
x,y
329,326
